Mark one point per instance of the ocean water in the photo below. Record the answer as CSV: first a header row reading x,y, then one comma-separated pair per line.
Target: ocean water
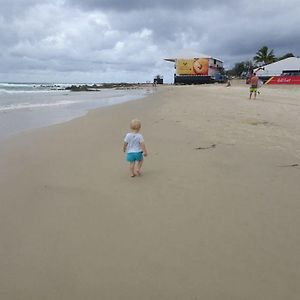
x,y
24,106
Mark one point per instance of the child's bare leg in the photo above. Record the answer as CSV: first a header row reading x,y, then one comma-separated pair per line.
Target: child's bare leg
x,y
139,166
131,168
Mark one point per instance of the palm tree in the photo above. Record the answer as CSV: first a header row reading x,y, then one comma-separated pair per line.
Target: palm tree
x,y
264,56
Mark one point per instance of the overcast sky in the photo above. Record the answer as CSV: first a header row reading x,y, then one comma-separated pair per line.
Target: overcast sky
x,y
126,40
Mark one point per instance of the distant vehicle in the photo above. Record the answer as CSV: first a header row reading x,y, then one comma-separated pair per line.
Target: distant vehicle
x,y
158,79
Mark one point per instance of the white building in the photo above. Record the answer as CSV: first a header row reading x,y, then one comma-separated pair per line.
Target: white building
x,y
288,66
196,69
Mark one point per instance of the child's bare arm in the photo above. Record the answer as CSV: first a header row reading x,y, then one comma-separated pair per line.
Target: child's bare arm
x,y
143,146
125,146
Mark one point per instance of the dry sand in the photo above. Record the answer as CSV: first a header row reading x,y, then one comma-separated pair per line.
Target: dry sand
x,y
221,222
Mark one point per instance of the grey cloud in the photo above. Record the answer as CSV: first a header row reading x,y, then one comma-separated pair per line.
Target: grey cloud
x,y
14,8
110,39
129,5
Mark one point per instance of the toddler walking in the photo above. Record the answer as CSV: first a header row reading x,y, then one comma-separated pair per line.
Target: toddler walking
x,y
135,147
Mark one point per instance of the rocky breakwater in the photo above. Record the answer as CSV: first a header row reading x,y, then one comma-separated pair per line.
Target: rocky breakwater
x,y
99,87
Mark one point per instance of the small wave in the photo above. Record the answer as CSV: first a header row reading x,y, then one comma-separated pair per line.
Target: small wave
x,y
18,88
11,85
12,107
4,91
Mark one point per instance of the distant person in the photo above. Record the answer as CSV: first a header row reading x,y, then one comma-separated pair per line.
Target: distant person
x,y
135,147
253,85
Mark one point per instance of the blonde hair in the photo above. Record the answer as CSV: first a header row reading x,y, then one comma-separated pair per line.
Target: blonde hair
x,y
135,124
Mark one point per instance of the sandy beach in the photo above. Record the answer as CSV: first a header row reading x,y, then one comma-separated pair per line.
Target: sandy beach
x,y
215,214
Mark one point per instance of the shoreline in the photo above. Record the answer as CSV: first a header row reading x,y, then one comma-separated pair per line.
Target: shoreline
x,y
35,110
203,221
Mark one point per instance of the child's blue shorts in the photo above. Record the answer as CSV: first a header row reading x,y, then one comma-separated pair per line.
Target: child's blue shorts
x,y
135,156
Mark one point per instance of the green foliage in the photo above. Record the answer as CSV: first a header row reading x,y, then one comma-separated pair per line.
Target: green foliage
x,y
264,56
240,69
285,56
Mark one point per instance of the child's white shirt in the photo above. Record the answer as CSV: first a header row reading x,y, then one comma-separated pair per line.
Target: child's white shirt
x,y
133,141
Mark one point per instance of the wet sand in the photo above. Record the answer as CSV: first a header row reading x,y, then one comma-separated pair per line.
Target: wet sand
x,y
215,214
